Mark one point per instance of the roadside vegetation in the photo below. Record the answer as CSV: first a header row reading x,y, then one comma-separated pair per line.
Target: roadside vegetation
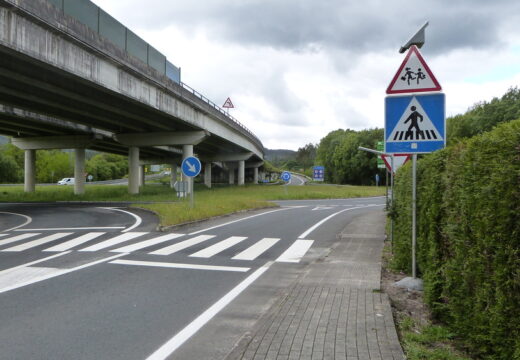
x,y
208,202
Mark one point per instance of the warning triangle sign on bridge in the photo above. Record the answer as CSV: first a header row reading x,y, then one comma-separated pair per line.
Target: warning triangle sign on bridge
x,y
414,125
228,104
413,75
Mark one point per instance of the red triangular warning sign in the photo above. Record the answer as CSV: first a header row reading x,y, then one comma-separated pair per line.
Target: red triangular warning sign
x,y
399,160
228,104
413,75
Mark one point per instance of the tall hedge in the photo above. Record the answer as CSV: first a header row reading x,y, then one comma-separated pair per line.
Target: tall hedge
x,y
468,237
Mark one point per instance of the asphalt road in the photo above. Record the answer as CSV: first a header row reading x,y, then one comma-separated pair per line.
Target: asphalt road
x,y
98,282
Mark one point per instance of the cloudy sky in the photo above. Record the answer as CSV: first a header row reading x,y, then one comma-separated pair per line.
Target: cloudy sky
x,y
298,69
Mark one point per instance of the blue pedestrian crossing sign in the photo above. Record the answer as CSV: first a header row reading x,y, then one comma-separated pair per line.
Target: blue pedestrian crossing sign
x,y
191,166
415,123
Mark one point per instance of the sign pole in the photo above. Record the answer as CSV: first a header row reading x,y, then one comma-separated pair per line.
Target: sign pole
x,y
192,185
414,213
392,203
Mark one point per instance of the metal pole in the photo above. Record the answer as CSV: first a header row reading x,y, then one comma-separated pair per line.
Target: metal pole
x,y
392,202
192,191
414,200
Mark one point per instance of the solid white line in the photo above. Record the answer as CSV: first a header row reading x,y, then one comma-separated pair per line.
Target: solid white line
x,y
34,262
76,228
17,238
138,220
37,242
58,272
171,345
234,221
27,221
218,247
296,251
113,241
67,245
256,250
313,227
147,243
3,235
182,245
180,266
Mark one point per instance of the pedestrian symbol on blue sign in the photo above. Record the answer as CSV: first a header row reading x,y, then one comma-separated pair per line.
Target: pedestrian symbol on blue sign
x,y
415,124
286,176
191,166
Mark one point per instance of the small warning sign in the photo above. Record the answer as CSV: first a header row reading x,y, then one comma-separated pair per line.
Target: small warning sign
x,y
414,125
228,104
413,75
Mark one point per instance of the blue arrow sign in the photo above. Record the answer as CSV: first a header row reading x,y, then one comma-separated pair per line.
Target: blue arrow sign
x,y
191,166
415,124
286,176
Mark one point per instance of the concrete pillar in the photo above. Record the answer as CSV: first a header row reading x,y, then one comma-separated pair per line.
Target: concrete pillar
x,y
241,172
141,175
173,175
133,170
207,174
30,171
231,176
261,175
187,151
255,175
79,171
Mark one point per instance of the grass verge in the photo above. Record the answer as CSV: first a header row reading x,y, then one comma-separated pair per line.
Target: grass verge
x,y
220,200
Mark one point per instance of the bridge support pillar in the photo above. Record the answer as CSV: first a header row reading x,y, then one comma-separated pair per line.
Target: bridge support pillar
x,y
231,176
207,174
173,175
255,175
187,151
30,171
241,172
133,170
142,174
79,171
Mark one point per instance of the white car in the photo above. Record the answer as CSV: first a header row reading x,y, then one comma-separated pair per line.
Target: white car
x,y
66,181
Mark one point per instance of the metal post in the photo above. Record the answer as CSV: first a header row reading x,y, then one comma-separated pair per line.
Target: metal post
x,y
414,200
192,191
392,203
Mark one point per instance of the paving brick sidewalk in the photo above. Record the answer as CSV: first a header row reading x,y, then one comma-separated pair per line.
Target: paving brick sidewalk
x,y
334,310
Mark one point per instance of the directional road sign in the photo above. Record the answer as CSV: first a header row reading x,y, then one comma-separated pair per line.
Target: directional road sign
x,y
415,123
286,176
191,166
318,173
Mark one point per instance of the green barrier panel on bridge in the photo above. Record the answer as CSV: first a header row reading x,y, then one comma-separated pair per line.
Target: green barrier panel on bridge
x,y
156,60
136,46
112,29
84,11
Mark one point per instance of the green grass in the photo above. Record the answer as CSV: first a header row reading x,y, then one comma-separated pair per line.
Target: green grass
x,y
431,342
220,200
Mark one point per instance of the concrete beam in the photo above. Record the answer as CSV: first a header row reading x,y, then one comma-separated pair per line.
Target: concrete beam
x,y
254,165
228,157
53,142
162,138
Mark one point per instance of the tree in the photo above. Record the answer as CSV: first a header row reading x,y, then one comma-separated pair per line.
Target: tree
x,y
306,155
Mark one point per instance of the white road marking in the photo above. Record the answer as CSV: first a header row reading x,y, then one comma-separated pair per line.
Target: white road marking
x,y
138,219
28,220
147,243
256,250
114,241
37,242
1,235
296,251
33,262
17,238
234,221
323,207
182,245
76,228
180,266
173,344
67,245
218,247
27,276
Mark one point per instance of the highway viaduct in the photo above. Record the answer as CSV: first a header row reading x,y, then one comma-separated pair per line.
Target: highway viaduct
x,y
72,77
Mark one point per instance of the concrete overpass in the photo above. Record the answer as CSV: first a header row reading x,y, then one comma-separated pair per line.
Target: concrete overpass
x,y
66,84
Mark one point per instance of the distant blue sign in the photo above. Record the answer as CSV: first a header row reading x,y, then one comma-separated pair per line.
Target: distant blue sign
x,y
191,166
318,173
286,176
415,124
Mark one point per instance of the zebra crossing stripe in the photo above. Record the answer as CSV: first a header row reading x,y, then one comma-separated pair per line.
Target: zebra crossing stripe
x,y
296,251
147,243
114,241
37,242
218,247
67,245
182,245
256,250
17,238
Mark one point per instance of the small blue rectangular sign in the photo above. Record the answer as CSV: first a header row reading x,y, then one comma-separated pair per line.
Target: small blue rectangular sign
x,y
318,173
